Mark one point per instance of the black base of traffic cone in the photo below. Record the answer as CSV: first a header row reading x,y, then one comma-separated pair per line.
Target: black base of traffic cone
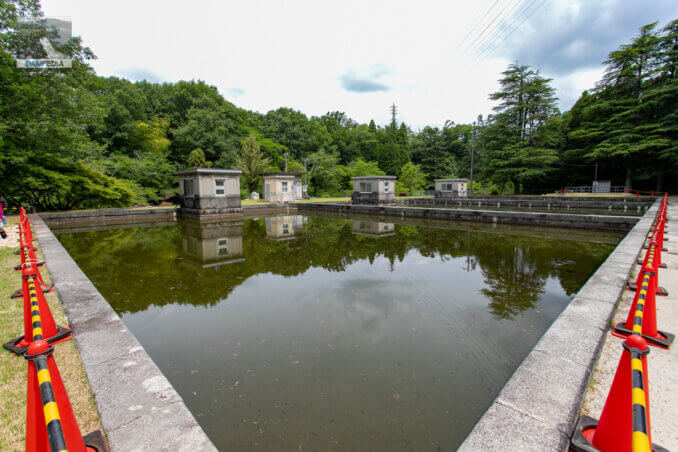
x,y
18,252
96,441
13,346
37,264
620,330
640,262
660,290
579,443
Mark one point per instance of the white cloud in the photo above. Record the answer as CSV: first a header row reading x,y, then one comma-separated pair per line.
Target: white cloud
x,y
272,53
569,87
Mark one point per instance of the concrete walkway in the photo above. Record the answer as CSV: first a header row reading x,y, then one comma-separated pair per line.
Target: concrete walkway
x,y
662,364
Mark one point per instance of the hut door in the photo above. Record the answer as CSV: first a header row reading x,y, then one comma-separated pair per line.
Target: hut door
x,y
267,195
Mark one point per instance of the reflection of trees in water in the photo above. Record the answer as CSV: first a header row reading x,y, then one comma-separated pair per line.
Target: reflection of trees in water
x,y
513,281
135,268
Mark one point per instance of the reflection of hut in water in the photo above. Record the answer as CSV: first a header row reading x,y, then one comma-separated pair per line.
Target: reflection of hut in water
x,y
373,228
284,227
212,244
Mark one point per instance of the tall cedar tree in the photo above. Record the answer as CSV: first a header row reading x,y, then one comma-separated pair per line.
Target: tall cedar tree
x,y
631,118
511,151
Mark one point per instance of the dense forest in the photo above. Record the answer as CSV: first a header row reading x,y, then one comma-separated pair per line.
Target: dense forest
x,y
72,139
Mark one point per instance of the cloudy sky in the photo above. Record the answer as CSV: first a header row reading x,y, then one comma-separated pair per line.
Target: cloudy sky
x,y
437,60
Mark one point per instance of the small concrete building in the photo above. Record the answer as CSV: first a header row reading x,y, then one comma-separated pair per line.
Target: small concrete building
x,y
284,227
451,188
375,229
373,190
601,186
206,191
212,244
283,186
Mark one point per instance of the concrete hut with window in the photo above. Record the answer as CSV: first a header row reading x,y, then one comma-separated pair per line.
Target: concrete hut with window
x,y
451,188
209,191
373,190
283,186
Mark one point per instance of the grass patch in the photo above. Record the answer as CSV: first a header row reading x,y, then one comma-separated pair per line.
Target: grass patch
x,y
340,199
252,202
13,369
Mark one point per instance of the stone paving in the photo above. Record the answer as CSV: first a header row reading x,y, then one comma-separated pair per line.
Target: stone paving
x,y
662,364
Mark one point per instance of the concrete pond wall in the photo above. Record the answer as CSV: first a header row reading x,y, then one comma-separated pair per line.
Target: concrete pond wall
x,y
124,216
621,204
601,222
139,408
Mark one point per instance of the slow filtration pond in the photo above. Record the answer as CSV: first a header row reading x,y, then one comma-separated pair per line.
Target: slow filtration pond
x,y
333,333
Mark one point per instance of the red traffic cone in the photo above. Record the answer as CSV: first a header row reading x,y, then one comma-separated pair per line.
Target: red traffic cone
x,y
37,316
50,422
28,255
624,424
642,318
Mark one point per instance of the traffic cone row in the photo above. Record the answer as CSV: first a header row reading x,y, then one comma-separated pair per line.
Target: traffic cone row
x,y
50,422
32,291
27,255
647,289
645,321
624,423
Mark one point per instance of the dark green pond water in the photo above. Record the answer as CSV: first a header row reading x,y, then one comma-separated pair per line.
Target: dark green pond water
x,y
326,333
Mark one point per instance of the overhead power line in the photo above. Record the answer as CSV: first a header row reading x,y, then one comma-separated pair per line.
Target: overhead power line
x,y
526,18
506,25
482,33
477,23
514,9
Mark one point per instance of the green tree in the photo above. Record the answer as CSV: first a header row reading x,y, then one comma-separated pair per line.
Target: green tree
x,y
252,163
434,157
363,168
393,148
50,183
511,151
411,177
196,159
151,175
630,120
324,174
628,71
151,136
